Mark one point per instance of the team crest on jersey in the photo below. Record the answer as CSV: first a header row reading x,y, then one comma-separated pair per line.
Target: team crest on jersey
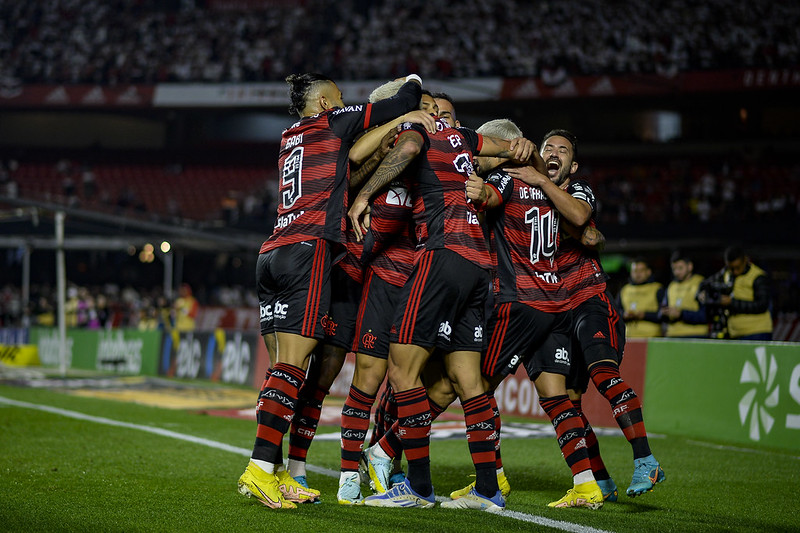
x,y
463,164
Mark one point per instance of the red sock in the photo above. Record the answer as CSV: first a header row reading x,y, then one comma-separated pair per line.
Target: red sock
x,y
570,432
355,423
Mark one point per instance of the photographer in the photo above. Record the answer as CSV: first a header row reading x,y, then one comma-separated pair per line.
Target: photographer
x,y
684,314
641,300
740,296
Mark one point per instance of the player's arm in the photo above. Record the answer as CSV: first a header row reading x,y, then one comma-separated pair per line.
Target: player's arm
x,y
351,120
589,236
482,195
407,99
575,211
518,150
361,173
408,146
370,141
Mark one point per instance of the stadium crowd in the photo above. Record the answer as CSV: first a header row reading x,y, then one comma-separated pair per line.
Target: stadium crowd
x,y
142,41
111,305
649,196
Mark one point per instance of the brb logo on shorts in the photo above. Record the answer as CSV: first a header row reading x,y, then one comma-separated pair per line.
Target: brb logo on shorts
x,y
445,330
562,356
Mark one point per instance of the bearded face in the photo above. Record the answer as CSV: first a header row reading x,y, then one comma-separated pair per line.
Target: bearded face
x,y
557,155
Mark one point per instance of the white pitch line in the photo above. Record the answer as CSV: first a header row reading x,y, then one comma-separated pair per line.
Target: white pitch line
x,y
524,517
739,449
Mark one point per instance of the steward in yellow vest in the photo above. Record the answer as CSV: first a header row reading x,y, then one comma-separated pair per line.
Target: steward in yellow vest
x,y
749,303
640,301
685,315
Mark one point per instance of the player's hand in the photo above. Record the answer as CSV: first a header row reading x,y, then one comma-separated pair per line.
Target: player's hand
x,y
387,142
522,149
421,117
528,174
359,216
475,189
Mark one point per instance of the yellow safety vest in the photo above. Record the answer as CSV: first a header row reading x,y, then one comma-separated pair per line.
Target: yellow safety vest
x,y
681,294
642,297
742,325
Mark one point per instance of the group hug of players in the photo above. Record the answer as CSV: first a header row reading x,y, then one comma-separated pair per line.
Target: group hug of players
x,y
397,230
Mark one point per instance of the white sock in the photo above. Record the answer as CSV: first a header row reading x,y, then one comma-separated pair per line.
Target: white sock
x,y
499,470
583,477
269,468
377,450
344,476
296,468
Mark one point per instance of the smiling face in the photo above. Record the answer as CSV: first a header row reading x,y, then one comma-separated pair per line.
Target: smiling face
x,y
557,153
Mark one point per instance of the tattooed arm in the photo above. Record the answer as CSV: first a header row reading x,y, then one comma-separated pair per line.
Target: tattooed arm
x,y
589,235
408,146
358,176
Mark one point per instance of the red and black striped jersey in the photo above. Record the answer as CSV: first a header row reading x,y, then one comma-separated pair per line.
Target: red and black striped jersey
x,y
579,266
314,170
524,241
442,216
389,244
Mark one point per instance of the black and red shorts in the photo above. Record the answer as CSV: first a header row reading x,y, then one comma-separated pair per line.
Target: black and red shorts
x,y
598,334
519,334
340,323
442,304
293,285
375,315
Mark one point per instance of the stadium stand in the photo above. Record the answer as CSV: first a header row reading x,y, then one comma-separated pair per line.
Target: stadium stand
x,y
140,41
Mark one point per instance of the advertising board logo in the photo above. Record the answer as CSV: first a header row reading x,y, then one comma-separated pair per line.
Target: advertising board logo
x,y
764,393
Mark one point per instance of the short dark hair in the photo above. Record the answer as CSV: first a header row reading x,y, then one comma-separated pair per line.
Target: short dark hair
x,y
733,253
299,86
428,93
444,96
679,255
568,135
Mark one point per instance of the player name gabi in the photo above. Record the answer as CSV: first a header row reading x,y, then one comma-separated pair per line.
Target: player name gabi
x,y
532,193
